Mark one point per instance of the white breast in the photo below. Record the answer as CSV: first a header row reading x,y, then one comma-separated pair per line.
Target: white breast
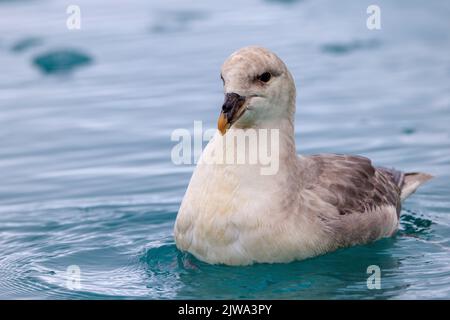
x,y
231,214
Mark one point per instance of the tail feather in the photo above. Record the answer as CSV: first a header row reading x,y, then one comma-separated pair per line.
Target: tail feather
x,y
411,181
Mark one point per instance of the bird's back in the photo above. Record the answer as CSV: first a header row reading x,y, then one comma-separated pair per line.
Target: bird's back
x,y
358,202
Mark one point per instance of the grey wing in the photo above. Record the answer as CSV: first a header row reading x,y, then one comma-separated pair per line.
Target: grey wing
x,y
365,200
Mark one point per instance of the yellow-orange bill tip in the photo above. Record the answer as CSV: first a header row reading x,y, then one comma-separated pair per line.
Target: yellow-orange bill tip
x,y
222,123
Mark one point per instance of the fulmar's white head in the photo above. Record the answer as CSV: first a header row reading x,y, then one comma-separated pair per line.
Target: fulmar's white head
x,y
259,90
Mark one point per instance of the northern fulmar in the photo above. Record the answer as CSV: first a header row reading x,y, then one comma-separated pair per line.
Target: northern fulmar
x,y
233,214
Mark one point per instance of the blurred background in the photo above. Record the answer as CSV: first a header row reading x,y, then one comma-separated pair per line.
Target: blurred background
x,y
86,115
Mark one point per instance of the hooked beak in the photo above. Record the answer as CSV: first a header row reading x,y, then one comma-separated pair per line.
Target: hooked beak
x,y
232,110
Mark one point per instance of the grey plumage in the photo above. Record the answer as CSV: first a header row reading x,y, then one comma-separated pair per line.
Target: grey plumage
x,y
353,184
361,195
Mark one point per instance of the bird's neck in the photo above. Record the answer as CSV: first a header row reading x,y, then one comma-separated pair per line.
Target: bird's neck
x,y
285,128
268,150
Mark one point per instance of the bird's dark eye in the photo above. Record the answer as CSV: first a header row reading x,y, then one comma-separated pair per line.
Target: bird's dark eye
x,y
221,77
265,77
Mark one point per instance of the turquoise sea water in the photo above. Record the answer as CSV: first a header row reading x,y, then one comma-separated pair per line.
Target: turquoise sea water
x,y
86,177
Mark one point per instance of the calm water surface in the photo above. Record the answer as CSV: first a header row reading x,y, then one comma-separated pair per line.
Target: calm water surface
x,y
86,177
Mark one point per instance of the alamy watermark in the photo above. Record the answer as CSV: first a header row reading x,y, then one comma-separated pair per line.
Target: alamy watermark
x,y
259,147
373,22
73,277
374,280
73,22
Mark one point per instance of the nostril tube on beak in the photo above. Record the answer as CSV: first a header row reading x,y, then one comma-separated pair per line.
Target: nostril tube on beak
x,y
231,104
230,111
